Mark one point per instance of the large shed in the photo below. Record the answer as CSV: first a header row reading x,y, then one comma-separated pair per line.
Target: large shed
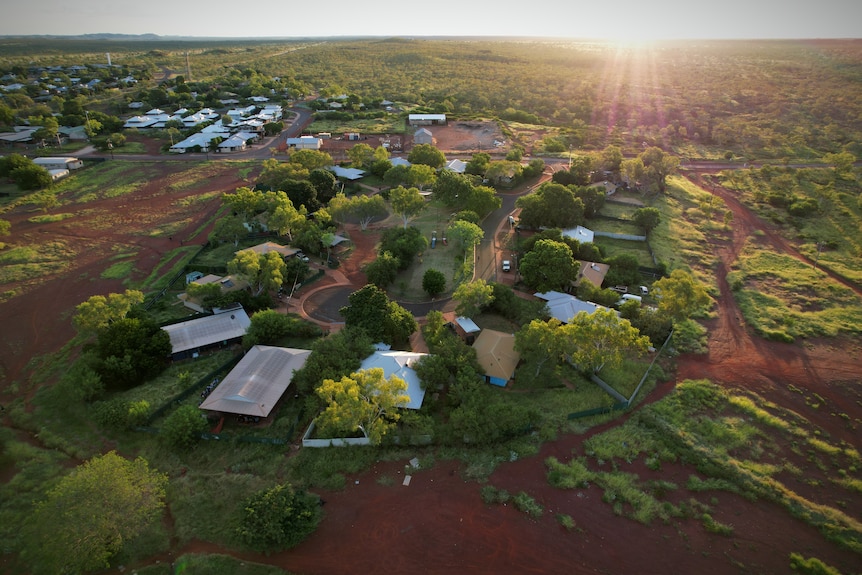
x,y
190,337
257,382
426,119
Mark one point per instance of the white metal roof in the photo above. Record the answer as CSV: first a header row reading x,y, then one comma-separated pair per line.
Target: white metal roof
x,y
208,330
257,382
399,363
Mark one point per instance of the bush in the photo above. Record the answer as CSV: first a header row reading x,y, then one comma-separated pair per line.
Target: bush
x,y
811,566
278,518
183,427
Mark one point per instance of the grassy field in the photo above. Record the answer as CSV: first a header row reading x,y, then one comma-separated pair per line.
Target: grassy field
x,y
784,298
612,246
681,238
737,442
448,259
390,124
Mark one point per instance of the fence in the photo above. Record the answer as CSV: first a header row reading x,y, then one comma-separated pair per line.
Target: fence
x,y
629,237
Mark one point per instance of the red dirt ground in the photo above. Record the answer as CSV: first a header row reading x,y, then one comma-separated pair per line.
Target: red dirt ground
x,y
438,524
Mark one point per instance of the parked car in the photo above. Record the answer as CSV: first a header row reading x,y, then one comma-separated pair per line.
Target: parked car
x,y
507,266
644,290
302,257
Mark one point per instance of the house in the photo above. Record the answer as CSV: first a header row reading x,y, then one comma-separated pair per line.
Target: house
x,y
236,143
200,140
346,173
20,135
579,233
592,272
141,122
423,136
304,143
267,247
59,163
399,162
426,119
564,307
456,165
258,381
191,337
496,354
241,112
228,284
259,99
399,363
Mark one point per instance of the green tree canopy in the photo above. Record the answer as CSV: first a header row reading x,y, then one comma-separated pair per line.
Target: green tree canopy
x,y
131,351
364,401
549,266
551,205
680,295
426,154
406,202
433,282
383,320
473,297
594,340
87,517
311,159
97,312
278,518
647,218
183,427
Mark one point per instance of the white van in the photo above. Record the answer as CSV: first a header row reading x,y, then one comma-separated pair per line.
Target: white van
x,y
629,297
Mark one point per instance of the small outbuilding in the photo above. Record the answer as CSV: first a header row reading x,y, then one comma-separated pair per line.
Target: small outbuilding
x,y
423,136
191,337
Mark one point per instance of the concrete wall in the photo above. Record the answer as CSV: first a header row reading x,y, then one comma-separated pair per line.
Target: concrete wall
x,y
337,442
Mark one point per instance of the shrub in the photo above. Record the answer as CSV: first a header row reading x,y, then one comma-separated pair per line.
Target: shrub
x,y
278,518
528,505
183,427
811,566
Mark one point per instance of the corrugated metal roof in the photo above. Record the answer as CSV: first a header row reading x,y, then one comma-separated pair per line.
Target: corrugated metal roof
x,y
398,363
208,330
257,382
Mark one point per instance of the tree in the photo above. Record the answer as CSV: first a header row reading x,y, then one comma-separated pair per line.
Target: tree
x,y
623,270
99,311
228,229
680,295
362,209
383,270
183,428
420,175
473,297
503,172
311,159
593,198
31,177
658,165
478,164
383,320
633,171
283,217
406,202
263,272
538,341
551,205
332,357
433,282
278,518
427,154
89,514
465,233
324,181
365,401
402,243
396,175
131,351
842,161
647,218
361,155
549,266
452,188
594,340
612,158
267,327
482,200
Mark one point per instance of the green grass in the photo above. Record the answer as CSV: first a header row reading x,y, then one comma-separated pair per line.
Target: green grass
x,y
119,270
23,263
177,259
616,227
681,238
783,298
48,218
611,247
211,564
390,124
727,436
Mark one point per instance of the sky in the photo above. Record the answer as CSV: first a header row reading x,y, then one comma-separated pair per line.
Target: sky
x,y
616,19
